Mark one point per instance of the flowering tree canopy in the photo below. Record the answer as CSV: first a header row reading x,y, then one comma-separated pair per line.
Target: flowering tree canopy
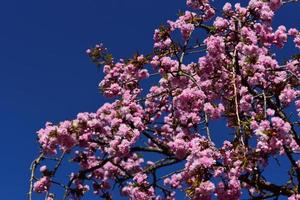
x,y
156,138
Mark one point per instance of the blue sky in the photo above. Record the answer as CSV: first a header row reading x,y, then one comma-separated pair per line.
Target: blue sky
x,y
45,74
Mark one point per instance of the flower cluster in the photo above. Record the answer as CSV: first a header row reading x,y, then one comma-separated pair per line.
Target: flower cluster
x,y
160,139
183,24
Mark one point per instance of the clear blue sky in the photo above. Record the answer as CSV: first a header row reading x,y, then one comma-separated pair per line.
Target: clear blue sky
x,y
45,74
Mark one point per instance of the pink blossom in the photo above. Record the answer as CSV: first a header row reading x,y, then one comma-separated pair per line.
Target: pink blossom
x,y
168,122
43,168
220,23
180,147
232,191
287,95
281,36
204,191
297,41
275,4
174,181
136,193
270,112
42,185
183,25
215,45
294,197
227,8
293,32
140,178
214,112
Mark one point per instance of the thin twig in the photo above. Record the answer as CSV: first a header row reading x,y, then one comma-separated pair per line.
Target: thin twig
x,y
289,1
265,105
33,166
58,163
235,93
206,126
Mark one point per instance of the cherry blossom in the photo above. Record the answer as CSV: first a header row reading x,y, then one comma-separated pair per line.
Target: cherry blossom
x,y
159,135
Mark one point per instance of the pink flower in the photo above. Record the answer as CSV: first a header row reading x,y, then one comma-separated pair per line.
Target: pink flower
x,y
232,191
293,32
43,168
281,36
140,178
136,193
180,147
215,45
287,95
214,112
196,4
220,23
204,191
270,112
297,41
266,13
275,4
294,197
185,27
42,185
174,181
227,8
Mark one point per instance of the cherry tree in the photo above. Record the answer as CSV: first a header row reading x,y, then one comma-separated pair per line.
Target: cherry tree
x,y
157,140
